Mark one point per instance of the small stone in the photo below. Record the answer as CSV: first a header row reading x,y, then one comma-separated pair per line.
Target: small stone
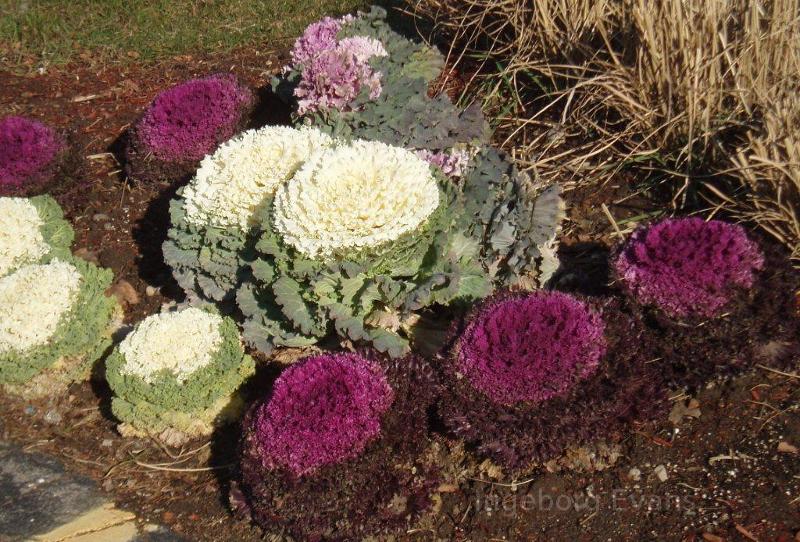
x,y
107,442
635,474
151,291
661,473
124,292
786,448
52,417
108,226
29,410
100,217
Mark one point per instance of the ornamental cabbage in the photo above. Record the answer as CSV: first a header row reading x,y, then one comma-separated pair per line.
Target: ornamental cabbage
x,y
176,375
336,77
364,236
210,238
32,231
688,267
30,153
184,124
345,428
719,301
532,374
56,322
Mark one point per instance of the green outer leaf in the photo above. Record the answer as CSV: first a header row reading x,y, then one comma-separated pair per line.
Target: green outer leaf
x,y
208,263
514,227
220,378
57,232
151,419
82,332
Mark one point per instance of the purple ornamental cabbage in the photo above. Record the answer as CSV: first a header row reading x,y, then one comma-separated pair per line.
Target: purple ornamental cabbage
x,y
29,153
185,123
531,348
688,267
529,375
336,450
323,411
694,270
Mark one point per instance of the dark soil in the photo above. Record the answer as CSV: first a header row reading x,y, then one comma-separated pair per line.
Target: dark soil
x,y
732,472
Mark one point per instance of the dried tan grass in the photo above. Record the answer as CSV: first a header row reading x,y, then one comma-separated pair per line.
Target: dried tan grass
x,y
692,89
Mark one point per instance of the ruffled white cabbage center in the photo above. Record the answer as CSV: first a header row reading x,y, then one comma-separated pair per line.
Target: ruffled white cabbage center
x,y
33,301
21,240
232,184
357,196
178,342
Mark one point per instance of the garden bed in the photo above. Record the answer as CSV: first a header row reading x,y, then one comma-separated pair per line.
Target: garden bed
x,y
726,470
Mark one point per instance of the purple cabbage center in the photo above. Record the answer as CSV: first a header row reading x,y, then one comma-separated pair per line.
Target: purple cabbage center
x,y
322,411
531,349
186,122
27,147
687,266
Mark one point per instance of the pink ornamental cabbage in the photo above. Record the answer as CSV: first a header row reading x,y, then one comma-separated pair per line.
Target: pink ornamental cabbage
x,y
333,80
323,410
688,266
28,150
531,348
317,37
335,77
188,121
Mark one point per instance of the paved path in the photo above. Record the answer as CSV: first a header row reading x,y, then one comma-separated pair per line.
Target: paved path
x,y
40,501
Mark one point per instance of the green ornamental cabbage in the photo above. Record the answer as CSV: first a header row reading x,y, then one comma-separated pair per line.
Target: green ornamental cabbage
x,y
176,375
32,230
56,322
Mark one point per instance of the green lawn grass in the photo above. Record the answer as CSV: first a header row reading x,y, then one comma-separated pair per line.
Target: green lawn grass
x,y
56,31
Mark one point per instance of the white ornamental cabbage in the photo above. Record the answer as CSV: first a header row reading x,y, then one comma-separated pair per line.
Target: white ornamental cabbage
x,y
232,184
178,342
33,301
352,197
21,239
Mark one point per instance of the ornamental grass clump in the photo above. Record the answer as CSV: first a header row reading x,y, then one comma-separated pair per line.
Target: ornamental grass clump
x,y
176,375
529,375
720,301
215,216
30,156
184,124
32,230
56,322
363,236
335,451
